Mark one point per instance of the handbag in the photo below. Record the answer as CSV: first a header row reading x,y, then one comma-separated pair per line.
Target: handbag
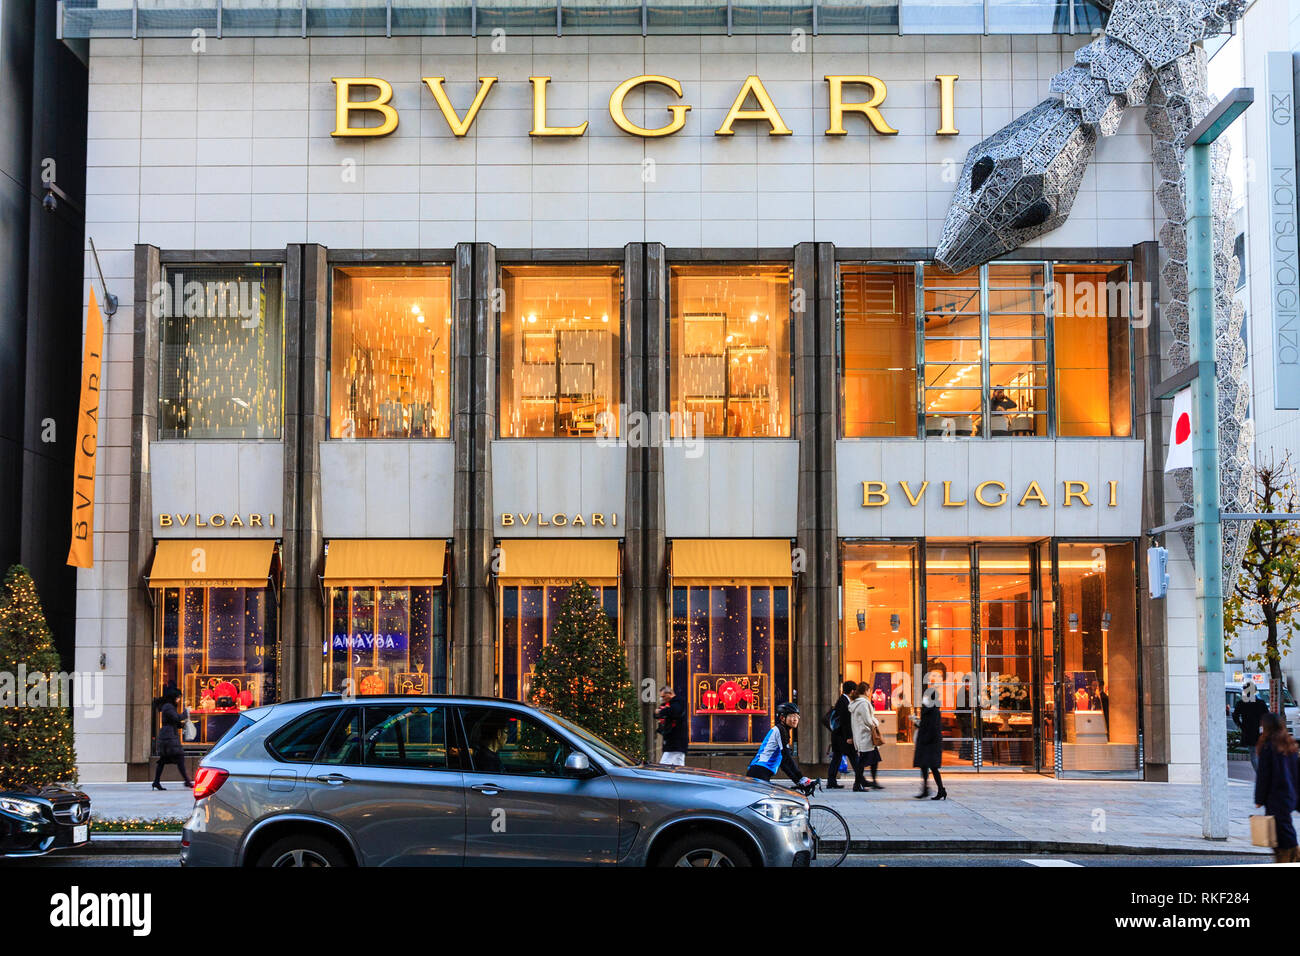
x,y
877,737
1263,830
191,731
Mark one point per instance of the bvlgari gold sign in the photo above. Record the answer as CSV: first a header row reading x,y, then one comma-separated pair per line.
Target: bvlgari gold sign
x,y
752,89
595,519
994,494
217,520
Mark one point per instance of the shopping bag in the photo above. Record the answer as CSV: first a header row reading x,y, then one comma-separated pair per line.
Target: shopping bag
x,y
191,729
1263,830
844,765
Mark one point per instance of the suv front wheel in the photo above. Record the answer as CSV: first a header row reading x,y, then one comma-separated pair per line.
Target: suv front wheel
x,y
703,848
304,850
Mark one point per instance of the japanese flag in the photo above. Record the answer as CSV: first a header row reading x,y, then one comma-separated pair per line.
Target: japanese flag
x,y
1180,438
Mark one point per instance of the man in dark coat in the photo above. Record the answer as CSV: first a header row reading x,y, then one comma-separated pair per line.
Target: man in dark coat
x,y
674,728
841,736
1247,714
173,714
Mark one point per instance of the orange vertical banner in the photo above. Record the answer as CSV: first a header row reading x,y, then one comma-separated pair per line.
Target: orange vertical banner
x,y
81,554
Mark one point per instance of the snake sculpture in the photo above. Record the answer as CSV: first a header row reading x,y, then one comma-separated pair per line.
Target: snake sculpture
x,y
1021,182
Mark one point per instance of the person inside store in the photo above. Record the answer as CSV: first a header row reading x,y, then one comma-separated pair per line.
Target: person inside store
x,y
171,710
1247,714
1277,783
1098,699
927,752
999,404
673,727
866,738
492,736
840,725
775,752
965,722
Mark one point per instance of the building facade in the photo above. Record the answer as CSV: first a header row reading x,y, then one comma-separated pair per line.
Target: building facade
x,y
427,328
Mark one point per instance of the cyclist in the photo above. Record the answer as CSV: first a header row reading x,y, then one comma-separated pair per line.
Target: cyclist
x,y
774,752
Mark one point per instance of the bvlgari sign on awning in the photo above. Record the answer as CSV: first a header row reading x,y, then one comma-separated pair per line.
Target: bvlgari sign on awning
x,y
868,92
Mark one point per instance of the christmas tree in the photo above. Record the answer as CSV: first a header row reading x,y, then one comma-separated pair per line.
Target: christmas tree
x,y
36,746
582,673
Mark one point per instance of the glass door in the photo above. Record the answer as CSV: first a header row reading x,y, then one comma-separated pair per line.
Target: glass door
x,y
950,650
1006,651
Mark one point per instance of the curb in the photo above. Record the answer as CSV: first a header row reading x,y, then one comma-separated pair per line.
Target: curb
x,y
121,843
956,847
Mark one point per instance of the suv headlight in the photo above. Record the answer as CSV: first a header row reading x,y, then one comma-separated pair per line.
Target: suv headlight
x,y
787,812
24,808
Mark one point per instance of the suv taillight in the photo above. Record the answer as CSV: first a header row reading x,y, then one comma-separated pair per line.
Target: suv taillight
x,y
208,781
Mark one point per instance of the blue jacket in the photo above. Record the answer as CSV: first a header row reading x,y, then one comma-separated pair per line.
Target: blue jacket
x,y
771,751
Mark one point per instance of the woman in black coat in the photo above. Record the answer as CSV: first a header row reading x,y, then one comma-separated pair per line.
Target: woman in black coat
x,y
928,752
173,714
1277,783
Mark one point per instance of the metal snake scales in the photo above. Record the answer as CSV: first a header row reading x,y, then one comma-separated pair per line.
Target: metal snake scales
x,y
1021,182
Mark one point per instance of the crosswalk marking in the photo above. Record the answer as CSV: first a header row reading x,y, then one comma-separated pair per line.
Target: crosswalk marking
x,y
1050,863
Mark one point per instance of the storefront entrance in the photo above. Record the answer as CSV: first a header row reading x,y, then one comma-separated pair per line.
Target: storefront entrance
x,y
1031,647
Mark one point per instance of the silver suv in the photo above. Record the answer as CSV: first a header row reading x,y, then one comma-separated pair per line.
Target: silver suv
x,y
450,781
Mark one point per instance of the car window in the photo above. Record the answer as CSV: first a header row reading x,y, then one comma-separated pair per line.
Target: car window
x,y
406,736
343,747
242,723
504,741
300,739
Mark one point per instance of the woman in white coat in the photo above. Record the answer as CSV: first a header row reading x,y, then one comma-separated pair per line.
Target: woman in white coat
x,y
863,718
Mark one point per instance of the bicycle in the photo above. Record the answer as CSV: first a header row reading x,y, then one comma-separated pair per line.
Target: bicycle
x,y
830,831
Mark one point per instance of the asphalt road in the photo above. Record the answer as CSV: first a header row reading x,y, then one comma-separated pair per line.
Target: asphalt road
x,y
875,860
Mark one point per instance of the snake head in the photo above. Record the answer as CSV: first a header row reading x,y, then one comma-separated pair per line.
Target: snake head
x,y
1016,185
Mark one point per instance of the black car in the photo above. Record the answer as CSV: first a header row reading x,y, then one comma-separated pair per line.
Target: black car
x,y
34,822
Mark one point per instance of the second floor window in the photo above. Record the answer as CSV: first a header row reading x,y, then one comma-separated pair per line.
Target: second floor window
x,y
1002,351
221,352
729,338
560,351
390,348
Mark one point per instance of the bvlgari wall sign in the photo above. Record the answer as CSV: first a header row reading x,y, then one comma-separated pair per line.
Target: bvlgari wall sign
x,y
994,494
596,519
217,520
764,110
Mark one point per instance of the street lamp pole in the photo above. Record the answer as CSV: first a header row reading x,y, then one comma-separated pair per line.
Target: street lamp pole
x,y
1205,461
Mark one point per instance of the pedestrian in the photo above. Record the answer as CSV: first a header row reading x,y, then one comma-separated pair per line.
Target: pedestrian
x,y
173,713
671,716
866,731
841,727
928,744
1277,783
1246,714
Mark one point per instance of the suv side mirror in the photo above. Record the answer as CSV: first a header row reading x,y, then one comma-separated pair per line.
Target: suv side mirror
x,y
577,763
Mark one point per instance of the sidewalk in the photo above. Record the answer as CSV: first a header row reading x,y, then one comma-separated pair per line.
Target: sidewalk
x,y
1020,813
1026,813
138,801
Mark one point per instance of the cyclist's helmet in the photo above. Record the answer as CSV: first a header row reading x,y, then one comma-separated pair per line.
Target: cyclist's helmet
x,y
786,709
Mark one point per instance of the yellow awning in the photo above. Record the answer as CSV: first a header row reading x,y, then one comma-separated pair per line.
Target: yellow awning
x,y
212,563
546,560
398,562
724,560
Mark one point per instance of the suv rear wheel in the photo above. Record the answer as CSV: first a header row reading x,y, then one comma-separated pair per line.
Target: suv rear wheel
x,y
304,850
704,848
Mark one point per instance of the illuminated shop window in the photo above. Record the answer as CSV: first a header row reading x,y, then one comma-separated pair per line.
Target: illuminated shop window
x,y
878,309
560,351
221,352
729,653
528,616
993,639
1091,319
390,353
1005,350
387,640
1097,619
219,646
729,337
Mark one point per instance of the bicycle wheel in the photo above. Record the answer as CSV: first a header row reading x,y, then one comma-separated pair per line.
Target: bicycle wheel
x,y
830,836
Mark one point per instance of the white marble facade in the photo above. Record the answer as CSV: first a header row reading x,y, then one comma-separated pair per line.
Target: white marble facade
x,y
229,148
